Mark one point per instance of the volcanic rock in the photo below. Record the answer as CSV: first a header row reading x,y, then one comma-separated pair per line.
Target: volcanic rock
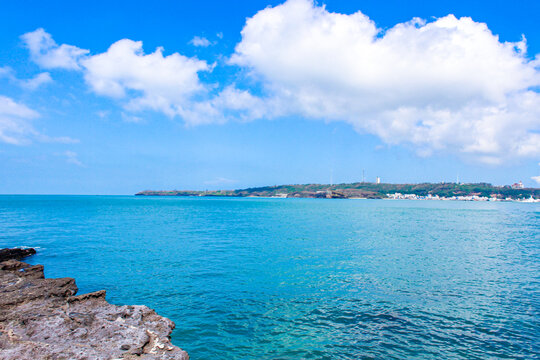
x,y
17,254
43,319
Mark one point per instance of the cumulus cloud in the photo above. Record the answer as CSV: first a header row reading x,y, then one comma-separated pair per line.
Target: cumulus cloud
x,y
16,127
200,41
445,85
147,81
30,84
45,52
229,104
168,84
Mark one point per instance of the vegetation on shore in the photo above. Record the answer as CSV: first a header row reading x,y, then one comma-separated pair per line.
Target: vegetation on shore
x,y
364,190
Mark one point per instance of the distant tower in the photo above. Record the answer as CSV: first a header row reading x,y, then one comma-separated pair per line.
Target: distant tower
x,y
363,176
457,179
378,180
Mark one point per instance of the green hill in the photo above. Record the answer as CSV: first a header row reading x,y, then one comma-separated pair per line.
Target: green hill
x,y
364,190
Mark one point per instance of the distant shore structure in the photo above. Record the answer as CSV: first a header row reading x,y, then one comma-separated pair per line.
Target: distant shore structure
x,y
378,180
518,185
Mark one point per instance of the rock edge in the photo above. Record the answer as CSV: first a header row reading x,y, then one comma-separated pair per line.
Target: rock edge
x,y
43,319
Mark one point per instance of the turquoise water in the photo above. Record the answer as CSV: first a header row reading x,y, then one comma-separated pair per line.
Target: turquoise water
x,y
302,278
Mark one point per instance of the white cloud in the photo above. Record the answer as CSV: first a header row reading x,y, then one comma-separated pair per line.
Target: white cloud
x,y
132,118
30,84
16,127
168,84
220,181
229,104
37,81
14,121
200,41
57,139
147,81
446,85
72,158
536,178
45,52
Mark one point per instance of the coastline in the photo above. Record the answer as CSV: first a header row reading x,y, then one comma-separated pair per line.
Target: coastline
x,y
389,197
44,318
364,190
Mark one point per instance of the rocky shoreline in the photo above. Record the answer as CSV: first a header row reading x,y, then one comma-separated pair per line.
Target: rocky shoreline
x,y
44,319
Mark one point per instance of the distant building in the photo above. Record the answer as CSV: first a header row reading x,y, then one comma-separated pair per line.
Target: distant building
x,y
378,180
518,185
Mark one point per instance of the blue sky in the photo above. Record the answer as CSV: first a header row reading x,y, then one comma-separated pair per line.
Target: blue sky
x,y
299,93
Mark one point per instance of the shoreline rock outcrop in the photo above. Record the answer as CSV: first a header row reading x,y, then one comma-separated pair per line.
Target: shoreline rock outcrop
x,y
16,253
44,319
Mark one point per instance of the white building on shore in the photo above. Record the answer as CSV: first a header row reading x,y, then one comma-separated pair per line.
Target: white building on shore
x,y
518,185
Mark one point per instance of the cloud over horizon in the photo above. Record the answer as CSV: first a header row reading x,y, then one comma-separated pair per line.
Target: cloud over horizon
x,y
445,85
448,85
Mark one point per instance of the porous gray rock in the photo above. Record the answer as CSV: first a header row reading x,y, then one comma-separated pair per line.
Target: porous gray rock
x,y
43,319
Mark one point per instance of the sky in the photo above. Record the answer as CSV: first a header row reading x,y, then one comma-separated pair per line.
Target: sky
x,y
118,97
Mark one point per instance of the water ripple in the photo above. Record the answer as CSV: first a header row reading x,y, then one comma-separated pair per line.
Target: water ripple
x,y
303,278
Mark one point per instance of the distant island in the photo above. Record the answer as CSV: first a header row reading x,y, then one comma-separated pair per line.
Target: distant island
x,y
366,190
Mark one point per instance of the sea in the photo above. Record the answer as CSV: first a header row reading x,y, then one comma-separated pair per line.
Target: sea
x,y
256,278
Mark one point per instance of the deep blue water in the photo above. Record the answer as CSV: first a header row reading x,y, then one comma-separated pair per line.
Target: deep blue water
x,y
302,278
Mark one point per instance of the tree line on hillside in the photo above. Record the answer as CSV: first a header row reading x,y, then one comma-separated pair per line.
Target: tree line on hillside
x,y
363,189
